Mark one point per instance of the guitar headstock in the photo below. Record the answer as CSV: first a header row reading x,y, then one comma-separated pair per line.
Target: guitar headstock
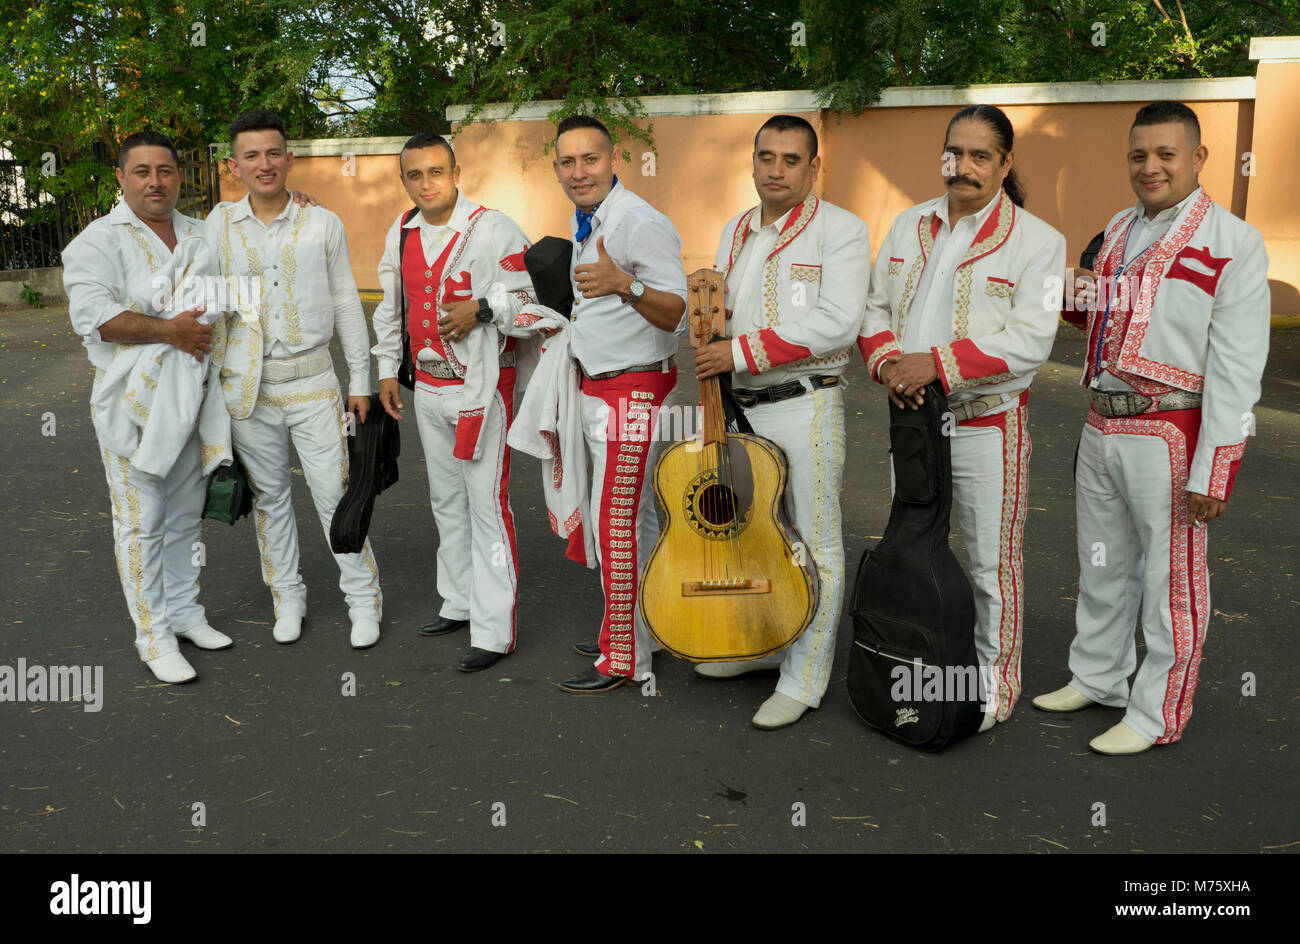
x,y
706,294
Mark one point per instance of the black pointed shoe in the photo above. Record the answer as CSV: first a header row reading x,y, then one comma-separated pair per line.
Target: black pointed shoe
x,y
478,659
591,649
593,682
442,626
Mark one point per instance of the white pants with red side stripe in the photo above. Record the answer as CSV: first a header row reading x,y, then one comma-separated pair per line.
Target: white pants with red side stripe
x,y
810,431
990,491
1135,548
308,411
155,528
619,419
478,569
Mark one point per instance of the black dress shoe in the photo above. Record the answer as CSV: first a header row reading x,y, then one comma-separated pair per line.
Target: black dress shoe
x,y
593,682
478,659
442,626
591,649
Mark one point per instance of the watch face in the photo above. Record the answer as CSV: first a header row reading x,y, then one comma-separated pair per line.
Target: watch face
x,y
484,311
636,289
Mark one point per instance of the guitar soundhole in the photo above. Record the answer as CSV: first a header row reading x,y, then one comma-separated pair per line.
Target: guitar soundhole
x,y
717,505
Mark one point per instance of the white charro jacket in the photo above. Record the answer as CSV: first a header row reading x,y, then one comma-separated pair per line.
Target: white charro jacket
x,y
1006,295
814,291
1200,322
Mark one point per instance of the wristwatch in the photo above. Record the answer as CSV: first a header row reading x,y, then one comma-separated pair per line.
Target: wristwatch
x,y
635,291
484,311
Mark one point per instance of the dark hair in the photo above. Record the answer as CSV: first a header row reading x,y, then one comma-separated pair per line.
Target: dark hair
x,y
1160,113
145,139
426,139
257,120
1005,135
573,122
790,123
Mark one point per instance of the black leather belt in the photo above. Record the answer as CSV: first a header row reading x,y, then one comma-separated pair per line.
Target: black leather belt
x,y
637,369
785,391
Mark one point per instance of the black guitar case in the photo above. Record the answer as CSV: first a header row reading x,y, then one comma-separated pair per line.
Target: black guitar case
x,y
912,600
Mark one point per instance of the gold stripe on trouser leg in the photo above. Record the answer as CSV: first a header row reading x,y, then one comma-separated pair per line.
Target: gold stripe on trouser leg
x,y
805,673
127,551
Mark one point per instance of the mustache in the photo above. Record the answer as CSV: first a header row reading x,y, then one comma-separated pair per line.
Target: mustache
x,y
961,180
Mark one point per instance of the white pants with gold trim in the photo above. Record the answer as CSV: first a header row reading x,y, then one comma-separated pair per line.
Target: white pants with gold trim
x,y
810,431
309,412
1138,557
478,570
990,493
155,528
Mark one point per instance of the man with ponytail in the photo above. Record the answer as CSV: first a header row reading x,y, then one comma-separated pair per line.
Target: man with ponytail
x,y
957,296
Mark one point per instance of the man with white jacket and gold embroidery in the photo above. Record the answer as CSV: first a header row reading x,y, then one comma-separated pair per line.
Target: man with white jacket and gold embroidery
x,y
960,293
147,403
795,268
277,372
1177,337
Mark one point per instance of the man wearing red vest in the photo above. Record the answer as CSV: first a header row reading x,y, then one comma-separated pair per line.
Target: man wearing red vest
x,y
456,271
1177,338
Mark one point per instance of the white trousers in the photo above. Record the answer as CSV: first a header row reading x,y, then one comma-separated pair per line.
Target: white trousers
x,y
308,411
478,570
155,529
990,492
1138,556
810,431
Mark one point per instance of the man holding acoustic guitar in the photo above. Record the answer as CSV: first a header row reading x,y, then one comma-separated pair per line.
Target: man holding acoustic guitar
x,y
794,269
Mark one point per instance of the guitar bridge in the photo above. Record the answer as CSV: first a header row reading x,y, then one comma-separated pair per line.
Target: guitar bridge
x,y
708,588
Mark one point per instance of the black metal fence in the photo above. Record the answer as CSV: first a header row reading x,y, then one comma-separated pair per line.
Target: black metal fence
x,y
34,226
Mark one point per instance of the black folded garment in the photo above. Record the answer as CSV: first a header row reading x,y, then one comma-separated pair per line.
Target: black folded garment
x,y
548,262
372,467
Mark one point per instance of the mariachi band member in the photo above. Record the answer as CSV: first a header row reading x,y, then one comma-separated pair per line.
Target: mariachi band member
x,y
1177,337
458,269
277,372
629,302
794,267
957,295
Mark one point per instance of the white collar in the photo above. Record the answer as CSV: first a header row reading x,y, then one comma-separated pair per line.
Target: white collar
x,y
1168,213
244,209
980,215
458,220
755,221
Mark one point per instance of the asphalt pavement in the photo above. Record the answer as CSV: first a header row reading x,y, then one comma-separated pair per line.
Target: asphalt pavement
x,y
425,758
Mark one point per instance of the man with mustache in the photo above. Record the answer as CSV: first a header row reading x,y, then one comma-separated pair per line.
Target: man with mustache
x,y
794,267
1177,338
458,279
957,295
276,369
113,272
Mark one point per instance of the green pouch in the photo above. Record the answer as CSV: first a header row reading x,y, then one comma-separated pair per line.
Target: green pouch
x,y
230,496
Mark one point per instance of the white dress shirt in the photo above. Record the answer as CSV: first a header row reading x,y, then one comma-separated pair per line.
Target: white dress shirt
x,y
929,323
307,288
745,283
609,334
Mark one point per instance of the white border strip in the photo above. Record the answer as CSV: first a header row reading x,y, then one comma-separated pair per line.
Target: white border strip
x,y
1275,48
1026,93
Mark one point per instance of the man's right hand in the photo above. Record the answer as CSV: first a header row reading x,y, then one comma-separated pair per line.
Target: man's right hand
x,y
390,397
188,334
1084,289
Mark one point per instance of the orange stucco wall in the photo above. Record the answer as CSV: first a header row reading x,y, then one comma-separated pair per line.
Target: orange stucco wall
x,y
1070,157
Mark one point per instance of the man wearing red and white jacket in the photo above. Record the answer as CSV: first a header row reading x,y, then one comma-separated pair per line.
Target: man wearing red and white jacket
x,y
1177,337
462,271
958,295
794,268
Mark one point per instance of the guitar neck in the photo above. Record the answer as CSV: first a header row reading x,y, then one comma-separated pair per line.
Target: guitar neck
x,y
714,422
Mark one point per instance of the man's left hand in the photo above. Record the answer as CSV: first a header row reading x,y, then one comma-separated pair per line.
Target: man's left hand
x,y
360,406
1201,508
600,278
459,319
713,359
910,374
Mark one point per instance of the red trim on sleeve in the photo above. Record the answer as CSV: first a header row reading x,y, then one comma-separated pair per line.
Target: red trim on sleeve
x,y
780,351
749,357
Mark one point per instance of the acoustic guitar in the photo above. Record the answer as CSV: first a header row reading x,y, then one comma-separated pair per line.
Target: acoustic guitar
x,y
729,578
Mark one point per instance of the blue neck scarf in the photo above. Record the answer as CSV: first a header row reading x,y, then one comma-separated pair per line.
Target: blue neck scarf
x,y
584,219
